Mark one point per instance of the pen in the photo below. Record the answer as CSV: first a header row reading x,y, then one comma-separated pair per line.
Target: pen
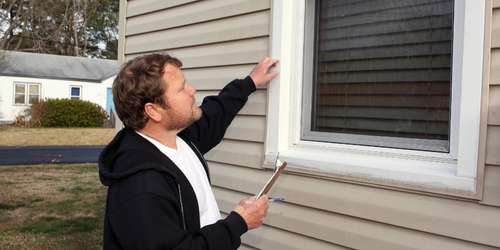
x,y
277,199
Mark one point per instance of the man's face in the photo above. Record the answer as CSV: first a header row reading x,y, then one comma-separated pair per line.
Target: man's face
x,y
181,109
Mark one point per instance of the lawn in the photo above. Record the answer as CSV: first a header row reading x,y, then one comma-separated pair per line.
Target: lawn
x,y
14,136
51,207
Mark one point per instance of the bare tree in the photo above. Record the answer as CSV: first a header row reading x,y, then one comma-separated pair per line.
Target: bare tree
x,y
77,27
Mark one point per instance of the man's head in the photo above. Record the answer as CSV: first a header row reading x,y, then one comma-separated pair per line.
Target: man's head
x,y
152,88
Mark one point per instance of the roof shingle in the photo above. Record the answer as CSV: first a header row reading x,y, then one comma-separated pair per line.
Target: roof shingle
x,y
23,64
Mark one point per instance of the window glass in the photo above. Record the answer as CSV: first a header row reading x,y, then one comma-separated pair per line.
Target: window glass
x,y
20,90
19,99
382,68
34,89
34,95
75,91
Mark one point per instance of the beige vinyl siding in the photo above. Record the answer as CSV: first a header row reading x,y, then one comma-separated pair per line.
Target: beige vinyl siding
x,y
215,78
246,247
167,17
144,6
345,230
241,153
328,200
204,33
219,54
492,170
220,40
492,186
256,104
280,239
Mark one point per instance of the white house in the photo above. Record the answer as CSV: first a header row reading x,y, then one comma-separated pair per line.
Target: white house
x,y
26,77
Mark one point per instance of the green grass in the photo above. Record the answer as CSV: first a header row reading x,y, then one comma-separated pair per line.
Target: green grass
x,y
15,136
56,226
44,178
51,207
6,183
5,206
18,204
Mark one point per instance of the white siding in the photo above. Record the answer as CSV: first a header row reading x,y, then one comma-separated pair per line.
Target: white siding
x,y
90,91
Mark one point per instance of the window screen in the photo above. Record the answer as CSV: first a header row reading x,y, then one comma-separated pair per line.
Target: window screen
x,y
75,92
382,68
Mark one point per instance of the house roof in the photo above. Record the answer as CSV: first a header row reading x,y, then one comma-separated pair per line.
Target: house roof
x,y
23,64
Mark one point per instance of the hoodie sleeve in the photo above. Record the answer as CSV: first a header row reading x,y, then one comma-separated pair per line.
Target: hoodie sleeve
x,y
218,113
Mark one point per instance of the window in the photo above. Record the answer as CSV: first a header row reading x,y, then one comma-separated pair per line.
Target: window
x,y
75,92
34,93
378,73
385,92
26,93
20,93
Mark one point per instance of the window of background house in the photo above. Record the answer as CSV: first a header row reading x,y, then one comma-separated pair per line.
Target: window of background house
x,y
20,93
26,93
378,73
34,93
76,92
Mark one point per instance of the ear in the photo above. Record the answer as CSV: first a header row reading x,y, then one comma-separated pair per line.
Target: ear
x,y
152,111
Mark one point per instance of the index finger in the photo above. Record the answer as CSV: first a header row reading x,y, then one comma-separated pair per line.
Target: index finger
x,y
273,62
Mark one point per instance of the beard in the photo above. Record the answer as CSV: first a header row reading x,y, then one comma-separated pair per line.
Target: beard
x,y
180,121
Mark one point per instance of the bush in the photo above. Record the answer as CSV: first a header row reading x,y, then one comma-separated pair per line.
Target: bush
x,y
68,113
35,113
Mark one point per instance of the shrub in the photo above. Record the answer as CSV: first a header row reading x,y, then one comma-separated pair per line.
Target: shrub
x,y
70,113
21,121
35,113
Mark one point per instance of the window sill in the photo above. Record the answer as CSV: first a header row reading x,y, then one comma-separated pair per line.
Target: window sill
x,y
421,174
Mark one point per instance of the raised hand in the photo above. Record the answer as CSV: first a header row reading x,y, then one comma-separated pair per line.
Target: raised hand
x,y
262,73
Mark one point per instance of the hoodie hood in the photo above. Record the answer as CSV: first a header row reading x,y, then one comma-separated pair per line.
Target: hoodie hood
x,y
127,154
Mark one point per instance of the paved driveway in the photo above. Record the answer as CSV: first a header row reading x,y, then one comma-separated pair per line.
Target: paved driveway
x,y
49,154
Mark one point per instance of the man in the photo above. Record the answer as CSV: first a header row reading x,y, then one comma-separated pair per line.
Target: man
x,y
159,195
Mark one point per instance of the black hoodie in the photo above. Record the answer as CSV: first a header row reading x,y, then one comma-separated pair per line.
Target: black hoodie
x,y
150,203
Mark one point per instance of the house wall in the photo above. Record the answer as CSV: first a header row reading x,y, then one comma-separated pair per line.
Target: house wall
x,y
91,91
492,175
220,40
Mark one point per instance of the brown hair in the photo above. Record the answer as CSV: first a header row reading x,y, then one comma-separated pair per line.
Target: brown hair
x,y
140,81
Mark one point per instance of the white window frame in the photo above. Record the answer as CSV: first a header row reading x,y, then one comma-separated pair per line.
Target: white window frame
x,y
452,173
71,94
27,86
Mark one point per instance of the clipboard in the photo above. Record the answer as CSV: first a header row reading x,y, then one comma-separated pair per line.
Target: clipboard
x,y
280,167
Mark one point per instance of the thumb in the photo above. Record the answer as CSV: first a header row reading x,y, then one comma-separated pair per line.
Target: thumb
x,y
263,199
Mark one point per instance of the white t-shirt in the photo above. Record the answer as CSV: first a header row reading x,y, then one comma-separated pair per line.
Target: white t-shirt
x,y
190,165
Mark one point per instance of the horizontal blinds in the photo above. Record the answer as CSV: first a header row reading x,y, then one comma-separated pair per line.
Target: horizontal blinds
x,y
383,67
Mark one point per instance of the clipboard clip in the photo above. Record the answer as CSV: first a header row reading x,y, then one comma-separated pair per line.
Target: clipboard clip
x,y
279,167
276,162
